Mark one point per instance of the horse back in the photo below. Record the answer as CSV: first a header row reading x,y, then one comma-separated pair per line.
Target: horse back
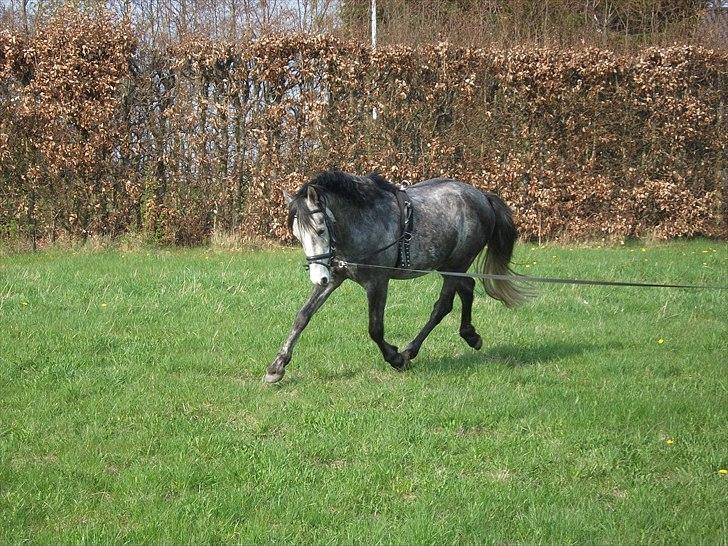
x,y
453,221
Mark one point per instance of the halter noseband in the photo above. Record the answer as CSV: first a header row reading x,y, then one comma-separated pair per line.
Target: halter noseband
x,y
332,242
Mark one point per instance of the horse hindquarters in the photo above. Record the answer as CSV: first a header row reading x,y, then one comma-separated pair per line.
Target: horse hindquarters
x,y
496,259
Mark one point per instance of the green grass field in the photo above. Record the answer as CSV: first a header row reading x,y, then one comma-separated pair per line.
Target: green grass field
x,y
132,409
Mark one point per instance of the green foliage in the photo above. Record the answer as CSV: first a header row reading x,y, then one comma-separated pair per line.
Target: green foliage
x,y
132,408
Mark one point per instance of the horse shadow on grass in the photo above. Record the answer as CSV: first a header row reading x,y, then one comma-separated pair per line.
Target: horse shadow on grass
x,y
512,356
509,355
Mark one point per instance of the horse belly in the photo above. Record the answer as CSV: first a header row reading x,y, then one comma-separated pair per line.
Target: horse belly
x,y
449,231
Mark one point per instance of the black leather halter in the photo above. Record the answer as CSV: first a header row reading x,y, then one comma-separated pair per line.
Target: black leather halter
x,y
332,240
406,226
406,223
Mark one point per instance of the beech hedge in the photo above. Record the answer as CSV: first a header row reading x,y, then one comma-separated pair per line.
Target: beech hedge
x,y
99,135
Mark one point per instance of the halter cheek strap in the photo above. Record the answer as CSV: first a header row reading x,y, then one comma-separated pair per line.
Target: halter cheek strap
x,y
332,242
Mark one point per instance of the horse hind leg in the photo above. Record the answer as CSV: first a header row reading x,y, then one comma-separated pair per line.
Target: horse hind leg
x,y
465,289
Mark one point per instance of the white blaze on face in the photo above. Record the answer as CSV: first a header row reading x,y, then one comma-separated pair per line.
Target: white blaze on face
x,y
315,241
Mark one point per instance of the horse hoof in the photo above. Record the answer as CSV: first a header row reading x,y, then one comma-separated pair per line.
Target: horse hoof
x,y
402,362
475,341
271,378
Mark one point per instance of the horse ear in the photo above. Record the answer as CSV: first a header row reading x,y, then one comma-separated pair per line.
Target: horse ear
x,y
287,197
312,196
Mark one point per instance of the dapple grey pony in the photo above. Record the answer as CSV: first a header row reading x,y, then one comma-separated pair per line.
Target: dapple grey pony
x,y
342,220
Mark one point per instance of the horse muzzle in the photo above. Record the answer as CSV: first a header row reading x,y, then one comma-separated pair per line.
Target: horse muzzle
x,y
319,268
319,273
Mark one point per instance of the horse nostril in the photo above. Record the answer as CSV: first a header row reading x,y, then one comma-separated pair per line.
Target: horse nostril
x,y
324,280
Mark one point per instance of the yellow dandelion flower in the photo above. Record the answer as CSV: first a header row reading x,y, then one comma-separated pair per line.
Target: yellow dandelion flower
x,y
660,341
669,441
23,303
723,471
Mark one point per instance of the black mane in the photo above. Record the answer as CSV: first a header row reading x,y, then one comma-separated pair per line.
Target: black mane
x,y
358,190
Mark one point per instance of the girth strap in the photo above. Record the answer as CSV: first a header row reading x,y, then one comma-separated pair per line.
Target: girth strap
x,y
405,228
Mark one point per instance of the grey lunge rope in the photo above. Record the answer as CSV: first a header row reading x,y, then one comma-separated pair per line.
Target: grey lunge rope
x,y
529,278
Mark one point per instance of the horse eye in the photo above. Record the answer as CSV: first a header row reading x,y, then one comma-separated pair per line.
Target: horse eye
x,y
320,232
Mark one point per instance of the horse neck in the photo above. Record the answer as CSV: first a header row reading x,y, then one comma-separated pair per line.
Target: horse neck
x,y
364,229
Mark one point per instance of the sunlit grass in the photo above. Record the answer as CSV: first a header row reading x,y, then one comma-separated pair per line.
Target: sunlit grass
x,y
132,408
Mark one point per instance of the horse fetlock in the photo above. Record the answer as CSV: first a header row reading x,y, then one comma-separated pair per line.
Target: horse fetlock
x,y
400,361
471,337
281,361
411,351
277,369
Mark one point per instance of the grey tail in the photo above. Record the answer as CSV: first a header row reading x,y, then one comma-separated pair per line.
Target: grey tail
x,y
495,260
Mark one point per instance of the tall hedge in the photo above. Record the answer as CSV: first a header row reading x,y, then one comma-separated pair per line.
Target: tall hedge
x,y
101,136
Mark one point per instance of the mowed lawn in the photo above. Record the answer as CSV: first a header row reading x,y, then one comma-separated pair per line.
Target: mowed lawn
x,y
132,409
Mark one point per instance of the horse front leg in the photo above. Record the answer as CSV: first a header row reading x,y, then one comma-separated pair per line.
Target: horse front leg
x,y
442,307
377,297
318,296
